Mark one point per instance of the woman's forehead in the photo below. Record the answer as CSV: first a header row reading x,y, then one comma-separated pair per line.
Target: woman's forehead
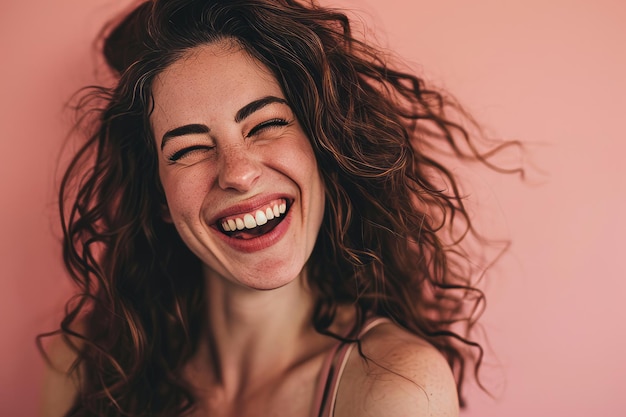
x,y
208,83
214,63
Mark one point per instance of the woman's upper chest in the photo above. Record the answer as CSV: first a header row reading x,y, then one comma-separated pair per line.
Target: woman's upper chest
x,y
293,394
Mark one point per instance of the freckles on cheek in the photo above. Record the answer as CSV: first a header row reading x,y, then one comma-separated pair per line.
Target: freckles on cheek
x,y
185,200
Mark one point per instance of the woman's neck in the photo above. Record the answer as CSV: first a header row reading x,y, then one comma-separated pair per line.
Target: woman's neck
x,y
254,336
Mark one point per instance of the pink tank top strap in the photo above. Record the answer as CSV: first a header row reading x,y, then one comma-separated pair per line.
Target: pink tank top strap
x,y
332,370
322,382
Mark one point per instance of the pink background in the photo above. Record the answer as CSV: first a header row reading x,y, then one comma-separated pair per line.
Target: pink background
x,y
550,73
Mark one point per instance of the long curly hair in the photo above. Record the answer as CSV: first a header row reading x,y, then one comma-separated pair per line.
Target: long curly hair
x,y
390,242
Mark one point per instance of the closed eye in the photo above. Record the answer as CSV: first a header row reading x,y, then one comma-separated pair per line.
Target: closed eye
x,y
268,124
187,151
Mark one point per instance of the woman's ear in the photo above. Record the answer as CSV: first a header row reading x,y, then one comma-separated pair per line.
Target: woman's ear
x,y
165,213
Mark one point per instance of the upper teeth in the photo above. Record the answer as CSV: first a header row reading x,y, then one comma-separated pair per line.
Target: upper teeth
x,y
257,218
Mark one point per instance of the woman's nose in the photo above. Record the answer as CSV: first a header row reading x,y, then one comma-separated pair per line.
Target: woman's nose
x,y
239,169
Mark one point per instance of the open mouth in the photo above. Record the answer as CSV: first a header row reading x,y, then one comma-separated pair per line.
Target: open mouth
x,y
257,223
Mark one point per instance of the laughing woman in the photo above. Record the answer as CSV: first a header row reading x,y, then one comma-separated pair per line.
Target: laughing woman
x,y
257,226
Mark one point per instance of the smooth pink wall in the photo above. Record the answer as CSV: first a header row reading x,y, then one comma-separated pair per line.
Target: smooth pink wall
x,y
550,73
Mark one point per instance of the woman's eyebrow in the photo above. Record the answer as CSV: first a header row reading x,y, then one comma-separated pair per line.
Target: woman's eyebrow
x,y
184,130
242,113
250,108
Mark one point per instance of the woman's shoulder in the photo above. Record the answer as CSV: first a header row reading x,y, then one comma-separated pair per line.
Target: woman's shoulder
x,y
60,377
402,375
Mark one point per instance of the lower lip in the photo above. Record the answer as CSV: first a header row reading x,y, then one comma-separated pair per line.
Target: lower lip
x,y
258,243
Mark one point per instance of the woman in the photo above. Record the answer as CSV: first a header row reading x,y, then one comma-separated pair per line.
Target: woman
x,y
257,225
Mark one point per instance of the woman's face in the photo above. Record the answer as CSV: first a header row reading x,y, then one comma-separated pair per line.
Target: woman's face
x,y
239,174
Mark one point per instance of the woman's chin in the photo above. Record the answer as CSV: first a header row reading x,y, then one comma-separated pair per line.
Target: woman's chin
x,y
265,278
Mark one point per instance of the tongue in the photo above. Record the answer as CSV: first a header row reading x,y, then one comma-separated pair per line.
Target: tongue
x,y
246,234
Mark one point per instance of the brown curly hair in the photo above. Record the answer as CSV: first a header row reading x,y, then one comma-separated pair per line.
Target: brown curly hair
x,y
394,217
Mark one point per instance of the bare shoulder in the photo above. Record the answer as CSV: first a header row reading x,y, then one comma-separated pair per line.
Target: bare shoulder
x,y
60,380
403,376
